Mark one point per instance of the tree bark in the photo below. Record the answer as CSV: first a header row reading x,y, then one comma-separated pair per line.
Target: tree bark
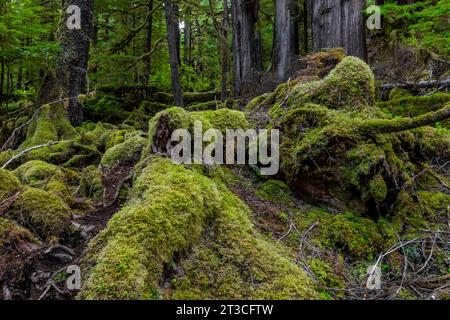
x,y
173,41
339,23
69,80
148,43
224,50
247,53
285,44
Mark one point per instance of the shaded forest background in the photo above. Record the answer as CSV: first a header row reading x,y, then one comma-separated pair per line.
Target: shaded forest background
x,y
129,43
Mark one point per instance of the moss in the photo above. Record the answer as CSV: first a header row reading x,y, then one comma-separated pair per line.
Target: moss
x,y
414,106
170,212
349,86
9,184
324,274
51,124
5,156
348,233
43,212
276,191
204,106
127,152
167,121
434,204
221,119
378,188
399,93
91,183
40,174
13,237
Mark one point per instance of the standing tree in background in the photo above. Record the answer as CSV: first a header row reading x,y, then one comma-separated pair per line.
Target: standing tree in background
x,y
69,80
339,23
173,40
286,37
247,51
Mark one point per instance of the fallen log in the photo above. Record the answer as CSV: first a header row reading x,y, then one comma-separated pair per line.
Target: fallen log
x,y
420,84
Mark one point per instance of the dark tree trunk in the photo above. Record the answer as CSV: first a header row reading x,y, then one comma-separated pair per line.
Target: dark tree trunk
x,y
285,44
247,52
148,43
339,23
187,40
224,50
173,41
2,78
69,80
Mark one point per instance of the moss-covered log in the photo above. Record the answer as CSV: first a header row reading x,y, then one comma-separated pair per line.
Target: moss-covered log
x,y
397,125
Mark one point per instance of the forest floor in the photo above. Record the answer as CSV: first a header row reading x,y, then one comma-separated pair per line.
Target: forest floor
x,y
363,185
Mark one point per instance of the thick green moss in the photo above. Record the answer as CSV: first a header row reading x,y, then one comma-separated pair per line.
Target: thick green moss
x,y
9,184
349,86
46,176
127,152
91,183
174,210
399,93
51,124
43,212
378,188
414,106
276,191
13,237
350,234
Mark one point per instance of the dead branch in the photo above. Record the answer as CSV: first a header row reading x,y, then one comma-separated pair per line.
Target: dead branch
x,y
415,85
23,152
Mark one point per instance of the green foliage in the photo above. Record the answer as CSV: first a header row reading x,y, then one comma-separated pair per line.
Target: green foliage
x,y
423,25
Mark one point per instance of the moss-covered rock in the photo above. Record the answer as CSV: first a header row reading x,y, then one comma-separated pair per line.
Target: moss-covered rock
x,y
128,152
14,238
350,86
174,210
9,184
166,122
43,212
46,176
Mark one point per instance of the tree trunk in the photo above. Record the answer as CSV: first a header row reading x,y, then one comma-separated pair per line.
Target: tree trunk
x,y
187,41
224,50
247,53
69,80
339,23
173,41
148,43
2,78
285,44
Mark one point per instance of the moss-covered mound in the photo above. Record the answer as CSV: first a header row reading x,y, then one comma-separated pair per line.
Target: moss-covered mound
x,y
166,122
9,184
13,237
337,147
46,176
51,124
179,219
43,212
128,152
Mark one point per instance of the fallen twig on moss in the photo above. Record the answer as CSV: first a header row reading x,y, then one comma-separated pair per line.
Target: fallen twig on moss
x,y
23,152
